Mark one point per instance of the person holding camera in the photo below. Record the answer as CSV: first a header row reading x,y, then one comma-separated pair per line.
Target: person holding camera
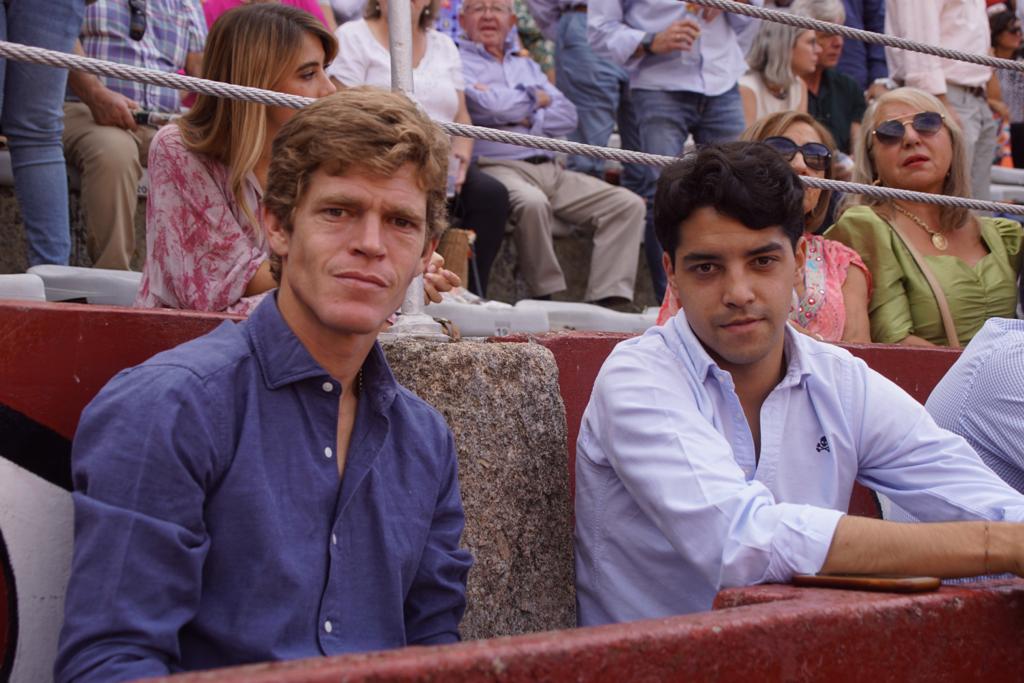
x,y
103,137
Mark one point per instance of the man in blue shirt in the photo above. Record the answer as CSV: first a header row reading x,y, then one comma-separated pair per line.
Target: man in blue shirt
x,y
864,62
721,449
268,491
684,65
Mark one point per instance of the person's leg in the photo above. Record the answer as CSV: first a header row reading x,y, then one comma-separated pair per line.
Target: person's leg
x,y
1017,144
979,151
721,118
483,207
617,216
984,152
108,160
664,119
590,83
32,120
531,213
634,176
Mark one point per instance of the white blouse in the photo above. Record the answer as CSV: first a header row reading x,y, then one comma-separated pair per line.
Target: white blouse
x,y
436,80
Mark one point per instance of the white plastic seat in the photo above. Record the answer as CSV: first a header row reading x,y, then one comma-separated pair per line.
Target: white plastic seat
x,y
1007,193
22,286
95,285
490,319
566,315
1007,176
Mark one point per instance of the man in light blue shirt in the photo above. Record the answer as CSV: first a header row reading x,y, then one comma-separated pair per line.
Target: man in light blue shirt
x,y
507,90
684,66
721,449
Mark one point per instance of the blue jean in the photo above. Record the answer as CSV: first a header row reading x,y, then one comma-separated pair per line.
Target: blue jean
x,y
666,119
600,91
32,118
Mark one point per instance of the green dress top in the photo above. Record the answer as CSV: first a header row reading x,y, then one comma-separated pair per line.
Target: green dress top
x,y
903,303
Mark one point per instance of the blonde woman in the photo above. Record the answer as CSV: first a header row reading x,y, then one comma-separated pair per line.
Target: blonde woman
x,y
909,141
206,248
779,59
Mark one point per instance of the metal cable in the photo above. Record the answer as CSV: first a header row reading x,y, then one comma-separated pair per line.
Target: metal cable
x,y
35,55
799,21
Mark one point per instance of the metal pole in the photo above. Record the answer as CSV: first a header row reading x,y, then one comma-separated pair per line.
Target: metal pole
x,y
413,320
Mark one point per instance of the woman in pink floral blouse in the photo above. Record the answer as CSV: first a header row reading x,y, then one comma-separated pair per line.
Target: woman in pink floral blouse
x,y
206,248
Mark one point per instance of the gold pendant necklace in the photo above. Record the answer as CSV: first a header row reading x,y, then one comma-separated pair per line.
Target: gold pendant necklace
x,y
939,240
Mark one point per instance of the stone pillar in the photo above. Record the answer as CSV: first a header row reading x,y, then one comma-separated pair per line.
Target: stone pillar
x,y
503,404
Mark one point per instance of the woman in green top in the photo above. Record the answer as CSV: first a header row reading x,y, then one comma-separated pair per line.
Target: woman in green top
x,y
909,141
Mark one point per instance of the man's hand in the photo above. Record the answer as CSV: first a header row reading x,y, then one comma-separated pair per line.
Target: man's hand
x,y
874,91
680,35
543,99
110,108
1000,109
436,280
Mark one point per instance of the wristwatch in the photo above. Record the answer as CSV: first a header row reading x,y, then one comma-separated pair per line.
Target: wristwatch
x,y
648,42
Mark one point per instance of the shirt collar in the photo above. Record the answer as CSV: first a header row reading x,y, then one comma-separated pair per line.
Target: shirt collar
x,y
702,364
284,360
512,45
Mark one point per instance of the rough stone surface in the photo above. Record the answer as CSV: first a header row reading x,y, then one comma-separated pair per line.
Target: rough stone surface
x,y
12,234
573,253
503,404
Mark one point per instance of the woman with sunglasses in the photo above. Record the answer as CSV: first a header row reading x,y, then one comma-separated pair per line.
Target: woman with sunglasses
x,y
909,141
205,245
780,58
830,301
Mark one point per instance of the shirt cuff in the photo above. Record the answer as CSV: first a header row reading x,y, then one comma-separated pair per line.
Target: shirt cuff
x,y
801,543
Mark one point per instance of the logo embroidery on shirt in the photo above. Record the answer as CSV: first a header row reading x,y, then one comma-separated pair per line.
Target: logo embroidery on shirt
x,y
823,445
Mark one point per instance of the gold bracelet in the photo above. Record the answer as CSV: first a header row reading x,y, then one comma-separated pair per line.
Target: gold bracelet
x,y
986,548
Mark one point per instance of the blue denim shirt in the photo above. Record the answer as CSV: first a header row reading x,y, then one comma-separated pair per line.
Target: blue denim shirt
x,y
212,528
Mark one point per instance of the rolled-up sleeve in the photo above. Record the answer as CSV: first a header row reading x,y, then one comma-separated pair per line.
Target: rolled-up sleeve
x,y
142,460
608,33
682,474
437,597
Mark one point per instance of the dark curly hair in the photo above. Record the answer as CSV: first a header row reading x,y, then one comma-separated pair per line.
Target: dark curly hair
x,y
747,181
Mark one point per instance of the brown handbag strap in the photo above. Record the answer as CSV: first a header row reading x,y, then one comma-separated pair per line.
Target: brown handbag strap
x,y
940,297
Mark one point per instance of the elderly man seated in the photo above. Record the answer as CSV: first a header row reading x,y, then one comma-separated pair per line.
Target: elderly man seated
x,y
507,90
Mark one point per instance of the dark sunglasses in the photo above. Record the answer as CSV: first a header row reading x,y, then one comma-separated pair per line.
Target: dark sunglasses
x,y
816,155
137,21
891,132
1014,31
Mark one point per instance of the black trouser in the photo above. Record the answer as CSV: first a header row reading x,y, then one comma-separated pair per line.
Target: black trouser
x,y
482,207
1017,144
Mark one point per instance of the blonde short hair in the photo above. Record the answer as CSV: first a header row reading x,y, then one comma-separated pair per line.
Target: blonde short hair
x,y
362,128
957,182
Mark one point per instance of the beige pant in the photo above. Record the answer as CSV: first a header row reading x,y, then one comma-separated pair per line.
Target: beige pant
x,y
110,160
539,192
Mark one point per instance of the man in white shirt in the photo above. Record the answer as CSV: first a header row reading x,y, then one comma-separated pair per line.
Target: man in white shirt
x,y
721,449
957,25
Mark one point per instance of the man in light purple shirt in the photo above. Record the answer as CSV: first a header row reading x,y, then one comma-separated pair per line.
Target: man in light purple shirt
x,y
507,90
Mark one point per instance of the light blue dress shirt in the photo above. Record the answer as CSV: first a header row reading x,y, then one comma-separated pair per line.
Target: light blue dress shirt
x,y
617,27
672,504
981,398
500,94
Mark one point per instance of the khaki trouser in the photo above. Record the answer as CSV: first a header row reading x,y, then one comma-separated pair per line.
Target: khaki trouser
x,y
979,135
110,160
538,192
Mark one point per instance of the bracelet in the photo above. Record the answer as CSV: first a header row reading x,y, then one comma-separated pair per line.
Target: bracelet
x,y
986,548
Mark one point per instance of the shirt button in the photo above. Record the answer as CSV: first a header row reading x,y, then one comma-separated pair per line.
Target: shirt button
x,y
328,452
334,539
328,627
328,387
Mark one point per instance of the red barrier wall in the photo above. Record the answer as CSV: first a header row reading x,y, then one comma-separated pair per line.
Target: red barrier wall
x,y
792,635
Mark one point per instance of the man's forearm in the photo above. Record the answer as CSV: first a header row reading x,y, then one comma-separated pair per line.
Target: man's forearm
x,y
870,546
82,84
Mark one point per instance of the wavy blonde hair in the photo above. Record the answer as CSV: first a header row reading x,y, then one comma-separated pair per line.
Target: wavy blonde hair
x,y
253,45
957,182
776,124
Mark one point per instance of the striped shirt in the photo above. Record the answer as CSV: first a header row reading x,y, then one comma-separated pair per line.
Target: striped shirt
x,y
174,28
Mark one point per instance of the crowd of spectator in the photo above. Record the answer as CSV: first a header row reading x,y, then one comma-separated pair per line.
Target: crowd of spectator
x,y
753,270
665,75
